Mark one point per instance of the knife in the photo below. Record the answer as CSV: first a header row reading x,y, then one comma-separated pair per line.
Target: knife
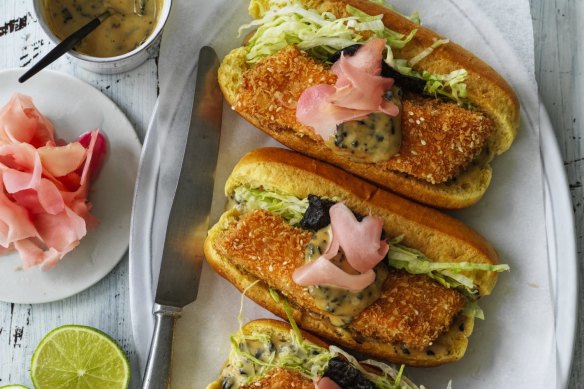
x,y
182,255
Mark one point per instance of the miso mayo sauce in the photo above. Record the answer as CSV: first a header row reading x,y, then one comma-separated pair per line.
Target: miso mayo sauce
x,y
274,350
374,138
237,371
121,33
342,305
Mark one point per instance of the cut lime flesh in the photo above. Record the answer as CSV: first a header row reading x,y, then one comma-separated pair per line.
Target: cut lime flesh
x,y
79,357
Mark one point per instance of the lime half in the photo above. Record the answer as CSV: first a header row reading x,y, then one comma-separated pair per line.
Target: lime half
x,y
79,357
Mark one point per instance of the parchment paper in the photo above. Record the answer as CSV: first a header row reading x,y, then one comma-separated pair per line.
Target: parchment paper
x,y
515,345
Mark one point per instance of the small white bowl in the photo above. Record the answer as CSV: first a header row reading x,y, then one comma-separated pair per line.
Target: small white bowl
x,y
118,64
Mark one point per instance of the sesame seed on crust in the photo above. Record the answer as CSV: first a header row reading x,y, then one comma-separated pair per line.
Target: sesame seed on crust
x,y
454,136
280,378
413,310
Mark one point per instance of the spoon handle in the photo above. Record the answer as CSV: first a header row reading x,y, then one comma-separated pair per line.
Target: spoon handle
x,y
63,47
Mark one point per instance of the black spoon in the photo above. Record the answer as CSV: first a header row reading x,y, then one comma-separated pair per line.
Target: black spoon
x,y
63,47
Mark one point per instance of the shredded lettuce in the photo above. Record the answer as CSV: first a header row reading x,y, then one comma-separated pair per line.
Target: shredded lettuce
x,y
303,356
289,207
472,309
446,273
298,354
451,85
426,52
392,38
288,310
306,358
288,22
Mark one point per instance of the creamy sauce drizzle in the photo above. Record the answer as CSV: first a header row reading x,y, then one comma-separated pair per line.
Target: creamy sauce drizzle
x,y
374,138
341,305
267,348
238,370
121,33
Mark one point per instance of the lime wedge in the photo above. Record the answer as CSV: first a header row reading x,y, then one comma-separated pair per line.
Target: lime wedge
x,y
79,357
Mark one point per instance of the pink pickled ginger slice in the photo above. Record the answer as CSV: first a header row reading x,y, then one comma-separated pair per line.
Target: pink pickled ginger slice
x,y
21,122
15,223
44,211
62,160
358,92
360,241
326,383
362,247
324,272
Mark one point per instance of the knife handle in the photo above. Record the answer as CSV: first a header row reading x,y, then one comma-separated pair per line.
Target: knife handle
x,y
157,373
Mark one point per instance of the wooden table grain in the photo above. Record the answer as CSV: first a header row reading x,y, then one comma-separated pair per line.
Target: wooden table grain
x,y
559,60
105,305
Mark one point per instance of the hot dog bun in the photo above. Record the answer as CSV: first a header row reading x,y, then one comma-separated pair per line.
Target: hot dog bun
x,y
287,378
488,93
438,236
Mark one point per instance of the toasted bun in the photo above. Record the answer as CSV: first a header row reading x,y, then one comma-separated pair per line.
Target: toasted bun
x,y
440,237
281,330
487,91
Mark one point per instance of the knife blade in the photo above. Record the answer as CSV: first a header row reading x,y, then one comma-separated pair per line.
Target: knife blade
x,y
188,221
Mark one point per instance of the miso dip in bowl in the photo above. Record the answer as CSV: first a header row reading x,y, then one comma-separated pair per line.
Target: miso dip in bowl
x,y
124,40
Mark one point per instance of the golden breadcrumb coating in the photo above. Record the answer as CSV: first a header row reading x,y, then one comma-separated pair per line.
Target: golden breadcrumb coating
x,y
270,90
281,379
412,310
440,138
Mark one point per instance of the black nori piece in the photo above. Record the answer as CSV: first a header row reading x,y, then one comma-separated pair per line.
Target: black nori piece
x,y
317,214
346,376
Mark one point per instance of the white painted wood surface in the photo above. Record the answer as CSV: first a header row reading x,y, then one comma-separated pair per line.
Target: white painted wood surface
x,y
559,60
559,57
105,305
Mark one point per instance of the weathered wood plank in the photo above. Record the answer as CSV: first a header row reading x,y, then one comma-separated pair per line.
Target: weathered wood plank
x,y
559,60
559,63
105,305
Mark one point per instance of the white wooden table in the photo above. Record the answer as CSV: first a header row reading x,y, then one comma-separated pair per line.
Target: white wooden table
x,y
105,305
559,64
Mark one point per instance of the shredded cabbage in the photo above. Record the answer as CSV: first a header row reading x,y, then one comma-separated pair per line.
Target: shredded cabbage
x,y
399,256
300,355
304,357
276,297
290,23
446,273
287,22
472,309
289,207
424,53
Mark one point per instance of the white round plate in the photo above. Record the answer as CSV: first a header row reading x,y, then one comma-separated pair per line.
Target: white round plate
x,y
74,107
561,248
